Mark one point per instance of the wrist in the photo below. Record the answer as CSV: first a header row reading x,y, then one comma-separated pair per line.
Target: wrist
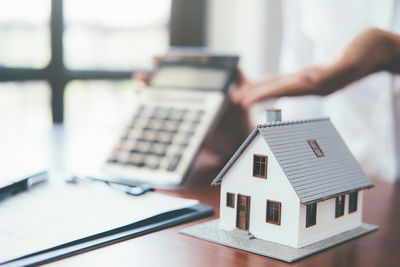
x,y
391,59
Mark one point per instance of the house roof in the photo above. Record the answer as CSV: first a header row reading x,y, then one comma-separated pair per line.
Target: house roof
x,y
312,178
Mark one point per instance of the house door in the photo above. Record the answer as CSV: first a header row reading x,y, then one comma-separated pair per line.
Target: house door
x,y
243,212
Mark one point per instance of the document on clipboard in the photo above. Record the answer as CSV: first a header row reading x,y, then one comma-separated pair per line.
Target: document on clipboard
x,y
57,219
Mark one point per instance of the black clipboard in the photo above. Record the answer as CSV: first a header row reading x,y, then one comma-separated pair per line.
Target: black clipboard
x,y
139,228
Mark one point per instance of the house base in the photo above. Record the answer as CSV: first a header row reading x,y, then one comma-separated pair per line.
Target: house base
x,y
209,231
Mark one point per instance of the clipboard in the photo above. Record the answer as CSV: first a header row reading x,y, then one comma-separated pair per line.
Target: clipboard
x,y
139,228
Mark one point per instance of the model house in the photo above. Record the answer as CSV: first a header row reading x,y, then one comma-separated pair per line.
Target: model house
x,y
293,183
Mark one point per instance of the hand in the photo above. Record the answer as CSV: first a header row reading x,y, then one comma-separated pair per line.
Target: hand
x,y
142,76
371,51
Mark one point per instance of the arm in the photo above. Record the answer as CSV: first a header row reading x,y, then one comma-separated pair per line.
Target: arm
x,y
372,51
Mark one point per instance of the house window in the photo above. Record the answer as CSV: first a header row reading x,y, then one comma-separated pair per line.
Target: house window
x,y
260,163
339,211
311,215
230,200
274,212
316,148
353,201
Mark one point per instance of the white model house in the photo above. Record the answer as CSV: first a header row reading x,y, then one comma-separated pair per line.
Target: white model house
x,y
292,183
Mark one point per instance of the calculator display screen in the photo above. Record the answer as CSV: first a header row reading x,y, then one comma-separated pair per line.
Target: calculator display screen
x,y
190,77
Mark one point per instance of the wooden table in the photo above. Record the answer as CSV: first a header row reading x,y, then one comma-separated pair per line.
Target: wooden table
x,y
169,248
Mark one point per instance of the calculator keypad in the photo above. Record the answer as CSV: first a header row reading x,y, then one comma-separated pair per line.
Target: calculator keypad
x,y
156,138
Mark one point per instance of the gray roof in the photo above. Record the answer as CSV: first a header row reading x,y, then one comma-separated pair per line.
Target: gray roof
x,y
312,178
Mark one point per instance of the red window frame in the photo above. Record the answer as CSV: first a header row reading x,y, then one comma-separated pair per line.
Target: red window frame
x,y
274,212
260,163
316,148
230,200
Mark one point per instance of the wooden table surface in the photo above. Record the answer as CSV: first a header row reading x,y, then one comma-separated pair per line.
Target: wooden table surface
x,y
169,248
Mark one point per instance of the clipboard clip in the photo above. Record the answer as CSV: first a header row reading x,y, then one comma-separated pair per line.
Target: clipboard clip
x,y
134,190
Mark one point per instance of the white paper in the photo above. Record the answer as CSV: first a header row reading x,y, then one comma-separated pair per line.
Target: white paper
x,y
55,213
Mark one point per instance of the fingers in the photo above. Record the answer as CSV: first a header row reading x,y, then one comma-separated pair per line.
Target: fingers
x,y
306,81
285,86
145,76
156,59
141,76
247,86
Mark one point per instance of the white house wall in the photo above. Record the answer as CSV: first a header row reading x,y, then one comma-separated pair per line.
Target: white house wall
x,y
239,180
327,225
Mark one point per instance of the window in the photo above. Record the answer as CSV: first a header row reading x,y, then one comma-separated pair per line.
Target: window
x,y
339,211
59,41
230,200
316,148
116,35
311,215
353,201
25,106
274,212
260,163
25,33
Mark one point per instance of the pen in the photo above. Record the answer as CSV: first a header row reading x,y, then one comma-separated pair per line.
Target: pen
x,y
23,185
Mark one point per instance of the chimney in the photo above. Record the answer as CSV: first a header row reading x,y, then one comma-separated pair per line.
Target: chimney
x,y
273,115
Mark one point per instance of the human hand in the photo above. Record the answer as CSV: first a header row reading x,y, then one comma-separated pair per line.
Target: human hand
x,y
302,82
141,78
371,51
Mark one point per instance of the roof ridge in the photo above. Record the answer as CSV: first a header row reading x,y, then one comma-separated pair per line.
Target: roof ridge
x,y
282,123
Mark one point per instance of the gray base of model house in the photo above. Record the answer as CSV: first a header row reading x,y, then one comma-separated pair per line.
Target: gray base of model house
x,y
242,240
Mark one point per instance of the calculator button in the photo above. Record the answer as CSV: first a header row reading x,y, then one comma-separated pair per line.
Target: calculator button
x,y
125,136
177,114
171,126
137,160
174,162
143,147
159,149
153,162
188,127
133,133
194,115
123,157
165,137
184,140
154,124
160,113
149,135
112,160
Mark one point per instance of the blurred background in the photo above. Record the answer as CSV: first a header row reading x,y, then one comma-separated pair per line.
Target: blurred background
x,y
70,61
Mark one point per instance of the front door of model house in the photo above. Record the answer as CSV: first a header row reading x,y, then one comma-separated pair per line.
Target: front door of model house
x,y
243,212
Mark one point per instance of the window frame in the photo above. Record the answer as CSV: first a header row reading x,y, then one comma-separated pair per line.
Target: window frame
x,y
353,207
265,167
231,197
340,202
316,148
279,212
310,223
190,13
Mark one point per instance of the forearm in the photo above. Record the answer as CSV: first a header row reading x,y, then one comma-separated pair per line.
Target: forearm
x,y
372,51
392,63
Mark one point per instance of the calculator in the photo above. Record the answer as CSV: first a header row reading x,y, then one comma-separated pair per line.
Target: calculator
x,y
172,117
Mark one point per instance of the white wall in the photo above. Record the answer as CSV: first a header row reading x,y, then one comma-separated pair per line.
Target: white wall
x,y
276,187
327,225
249,28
